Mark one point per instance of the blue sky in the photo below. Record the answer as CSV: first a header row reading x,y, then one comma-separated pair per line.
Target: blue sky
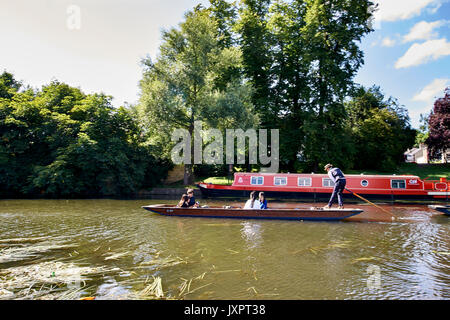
x,y
97,45
408,54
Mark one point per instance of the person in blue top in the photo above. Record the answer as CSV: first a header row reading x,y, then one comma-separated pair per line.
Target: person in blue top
x,y
262,200
192,202
338,178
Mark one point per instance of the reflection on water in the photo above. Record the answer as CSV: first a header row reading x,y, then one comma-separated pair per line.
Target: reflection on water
x,y
113,249
251,233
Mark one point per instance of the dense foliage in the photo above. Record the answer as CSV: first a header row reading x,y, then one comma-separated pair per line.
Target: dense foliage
x,y
263,64
379,129
194,78
438,140
300,58
61,142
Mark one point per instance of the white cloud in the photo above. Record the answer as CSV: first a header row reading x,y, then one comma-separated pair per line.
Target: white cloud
x,y
393,10
423,30
421,53
432,90
388,42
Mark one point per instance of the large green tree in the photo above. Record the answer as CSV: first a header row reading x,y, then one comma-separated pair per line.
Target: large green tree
x,y
186,84
301,57
332,31
255,42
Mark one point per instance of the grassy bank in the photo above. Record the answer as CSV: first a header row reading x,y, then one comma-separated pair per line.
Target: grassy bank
x,y
430,171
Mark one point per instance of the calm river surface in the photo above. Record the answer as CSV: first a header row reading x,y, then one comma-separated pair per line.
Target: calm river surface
x,y
114,249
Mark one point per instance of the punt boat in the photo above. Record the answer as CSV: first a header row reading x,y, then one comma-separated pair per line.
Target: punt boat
x,y
312,213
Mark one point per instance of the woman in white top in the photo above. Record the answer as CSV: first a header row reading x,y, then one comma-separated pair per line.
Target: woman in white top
x,y
253,202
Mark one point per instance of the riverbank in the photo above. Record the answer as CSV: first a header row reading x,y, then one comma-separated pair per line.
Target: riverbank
x,y
176,189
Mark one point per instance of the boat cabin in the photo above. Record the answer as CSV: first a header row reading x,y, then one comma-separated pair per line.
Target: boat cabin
x,y
366,184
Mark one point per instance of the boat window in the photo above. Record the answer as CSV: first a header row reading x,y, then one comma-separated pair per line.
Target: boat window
x,y
257,180
364,183
398,184
304,182
280,181
327,182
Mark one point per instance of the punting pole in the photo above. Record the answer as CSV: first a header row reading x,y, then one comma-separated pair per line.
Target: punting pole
x,y
393,217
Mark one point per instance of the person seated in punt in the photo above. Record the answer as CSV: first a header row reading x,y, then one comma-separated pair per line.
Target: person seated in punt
x,y
253,202
184,201
262,201
192,202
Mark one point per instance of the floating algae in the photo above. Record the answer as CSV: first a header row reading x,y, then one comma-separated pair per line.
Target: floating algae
x,y
201,287
47,279
254,290
364,259
6,294
262,294
23,240
153,290
116,256
18,253
226,271
185,287
164,262
441,252
335,245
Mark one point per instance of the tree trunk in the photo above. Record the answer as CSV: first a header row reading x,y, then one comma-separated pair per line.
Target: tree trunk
x,y
188,175
188,168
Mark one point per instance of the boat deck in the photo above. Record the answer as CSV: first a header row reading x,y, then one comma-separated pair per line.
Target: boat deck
x,y
239,213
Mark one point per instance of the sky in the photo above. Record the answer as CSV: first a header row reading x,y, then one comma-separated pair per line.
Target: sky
x,y
97,45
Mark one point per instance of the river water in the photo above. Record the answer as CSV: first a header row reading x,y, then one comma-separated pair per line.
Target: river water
x,y
114,249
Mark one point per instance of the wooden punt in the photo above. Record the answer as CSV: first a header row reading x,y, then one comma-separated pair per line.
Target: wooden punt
x,y
445,209
239,213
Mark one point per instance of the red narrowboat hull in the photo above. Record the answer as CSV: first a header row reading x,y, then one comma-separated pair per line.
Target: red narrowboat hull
x,y
238,213
319,187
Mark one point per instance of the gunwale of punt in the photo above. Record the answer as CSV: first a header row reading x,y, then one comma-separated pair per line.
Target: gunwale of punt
x,y
445,209
239,213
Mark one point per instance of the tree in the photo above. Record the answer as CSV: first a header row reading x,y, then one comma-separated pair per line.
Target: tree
x,y
379,129
8,85
301,57
58,141
181,87
256,46
290,91
422,133
438,140
331,34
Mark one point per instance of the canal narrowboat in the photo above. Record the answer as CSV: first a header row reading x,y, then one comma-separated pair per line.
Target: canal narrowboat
x,y
315,214
445,209
320,186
